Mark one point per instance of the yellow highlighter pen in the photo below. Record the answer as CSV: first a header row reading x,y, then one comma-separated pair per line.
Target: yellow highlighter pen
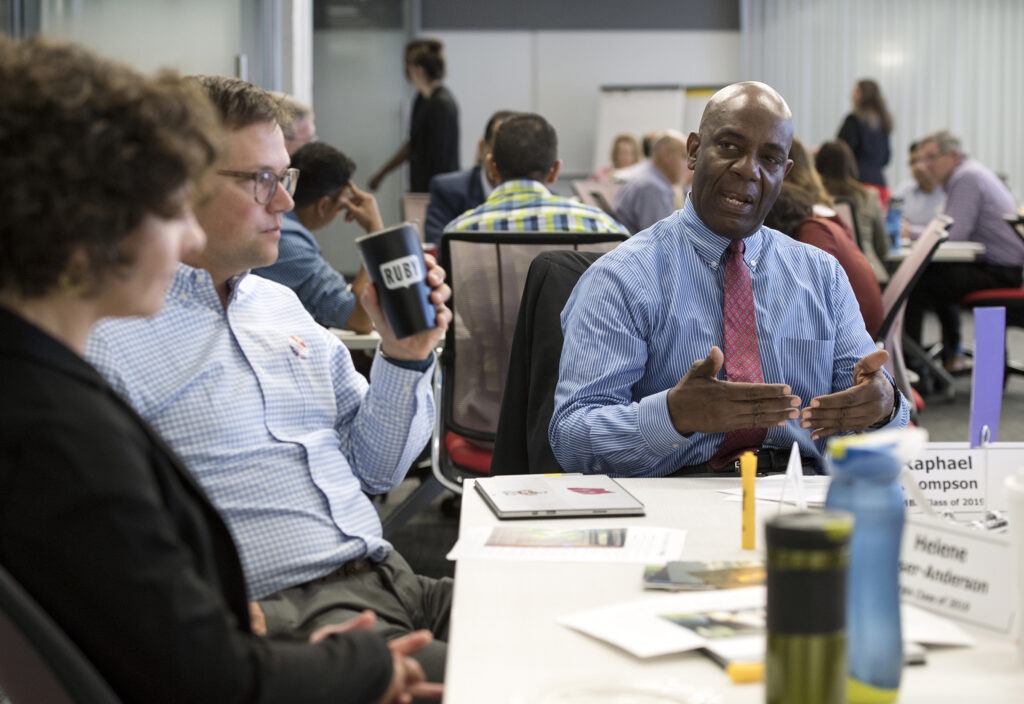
x,y
745,672
748,470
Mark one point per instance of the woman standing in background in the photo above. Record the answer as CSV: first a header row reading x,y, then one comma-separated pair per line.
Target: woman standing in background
x,y
433,144
866,130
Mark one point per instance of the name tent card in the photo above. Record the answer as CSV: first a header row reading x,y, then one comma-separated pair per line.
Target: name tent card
x,y
963,480
958,572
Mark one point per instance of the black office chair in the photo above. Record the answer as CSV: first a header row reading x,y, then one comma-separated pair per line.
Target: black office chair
x,y
521,443
894,304
38,663
487,272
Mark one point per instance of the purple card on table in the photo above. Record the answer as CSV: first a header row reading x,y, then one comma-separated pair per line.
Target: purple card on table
x,y
987,379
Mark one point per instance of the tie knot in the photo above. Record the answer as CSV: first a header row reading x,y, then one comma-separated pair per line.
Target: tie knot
x,y
737,247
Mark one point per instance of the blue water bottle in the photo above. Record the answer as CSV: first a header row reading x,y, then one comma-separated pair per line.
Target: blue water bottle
x,y
865,473
893,221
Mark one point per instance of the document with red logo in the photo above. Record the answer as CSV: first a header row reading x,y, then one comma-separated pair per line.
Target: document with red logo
x,y
557,495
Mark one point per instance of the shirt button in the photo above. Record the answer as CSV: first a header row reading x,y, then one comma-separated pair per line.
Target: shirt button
x,y
675,445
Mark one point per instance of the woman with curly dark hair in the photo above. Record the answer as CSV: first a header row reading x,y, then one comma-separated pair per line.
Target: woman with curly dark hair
x,y
99,521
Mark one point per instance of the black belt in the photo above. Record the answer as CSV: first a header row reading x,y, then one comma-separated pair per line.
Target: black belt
x,y
770,460
348,569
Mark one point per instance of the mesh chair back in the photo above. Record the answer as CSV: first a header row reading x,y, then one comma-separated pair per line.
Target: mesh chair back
x,y
38,662
487,272
597,193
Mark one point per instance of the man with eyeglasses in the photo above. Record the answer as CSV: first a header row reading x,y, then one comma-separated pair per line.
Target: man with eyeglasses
x,y
267,411
977,201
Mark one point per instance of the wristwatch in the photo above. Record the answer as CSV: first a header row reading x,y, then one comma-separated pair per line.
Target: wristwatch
x,y
895,410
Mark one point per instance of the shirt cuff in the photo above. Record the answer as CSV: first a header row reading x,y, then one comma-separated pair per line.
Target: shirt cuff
x,y
656,425
415,365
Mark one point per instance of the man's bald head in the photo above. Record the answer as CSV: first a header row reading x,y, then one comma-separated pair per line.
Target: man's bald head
x,y
745,95
739,157
668,154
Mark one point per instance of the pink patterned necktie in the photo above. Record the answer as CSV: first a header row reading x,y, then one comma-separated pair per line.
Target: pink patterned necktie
x,y
742,360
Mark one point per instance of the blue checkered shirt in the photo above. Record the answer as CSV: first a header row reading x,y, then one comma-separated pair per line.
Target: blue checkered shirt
x,y
265,408
524,205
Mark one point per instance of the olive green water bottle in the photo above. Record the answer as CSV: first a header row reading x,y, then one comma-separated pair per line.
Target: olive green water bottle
x,y
805,661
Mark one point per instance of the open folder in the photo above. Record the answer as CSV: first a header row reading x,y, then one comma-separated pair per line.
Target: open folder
x,y
557,495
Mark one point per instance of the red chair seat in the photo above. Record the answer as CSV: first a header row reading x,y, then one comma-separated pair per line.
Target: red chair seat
x,y
993,296
467,455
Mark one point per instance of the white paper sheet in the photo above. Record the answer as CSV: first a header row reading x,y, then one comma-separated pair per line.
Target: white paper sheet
x,y
773,488
639,627
642,544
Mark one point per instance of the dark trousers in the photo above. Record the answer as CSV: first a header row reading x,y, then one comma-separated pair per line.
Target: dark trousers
x,y
941,287
402,600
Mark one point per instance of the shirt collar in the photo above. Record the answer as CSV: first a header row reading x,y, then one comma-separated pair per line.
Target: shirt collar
x,y
518,187
711,247
195,284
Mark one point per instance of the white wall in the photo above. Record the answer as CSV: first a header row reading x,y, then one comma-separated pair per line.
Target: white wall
x,y
560,74
940,64
192,36
362,101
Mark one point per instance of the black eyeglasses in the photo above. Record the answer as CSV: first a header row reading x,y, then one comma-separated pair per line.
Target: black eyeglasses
x,y
265,182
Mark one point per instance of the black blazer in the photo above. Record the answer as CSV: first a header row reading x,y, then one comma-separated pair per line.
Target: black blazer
x,y
105,527
450,196
521,442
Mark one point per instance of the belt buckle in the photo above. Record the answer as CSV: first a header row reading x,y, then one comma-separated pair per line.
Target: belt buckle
x,y
757,455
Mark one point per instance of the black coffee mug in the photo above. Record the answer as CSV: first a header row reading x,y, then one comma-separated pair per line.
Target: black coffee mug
x,y
394,263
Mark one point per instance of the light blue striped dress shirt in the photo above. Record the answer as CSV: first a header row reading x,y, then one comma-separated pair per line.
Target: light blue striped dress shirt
x,y
643,313
265,408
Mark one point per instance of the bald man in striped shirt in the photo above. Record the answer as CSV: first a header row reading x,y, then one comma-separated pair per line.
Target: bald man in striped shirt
x,y
641,388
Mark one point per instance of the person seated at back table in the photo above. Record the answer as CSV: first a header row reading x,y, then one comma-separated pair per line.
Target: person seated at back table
x,y
454,193
524,162
920,198
299,124
649,194
838,170
651,324
805,176
793,214
625,153
977,201
100,522
267,411
324,191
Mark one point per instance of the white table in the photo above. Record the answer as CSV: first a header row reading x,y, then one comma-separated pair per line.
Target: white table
x,y
357,341
505,646
948,252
